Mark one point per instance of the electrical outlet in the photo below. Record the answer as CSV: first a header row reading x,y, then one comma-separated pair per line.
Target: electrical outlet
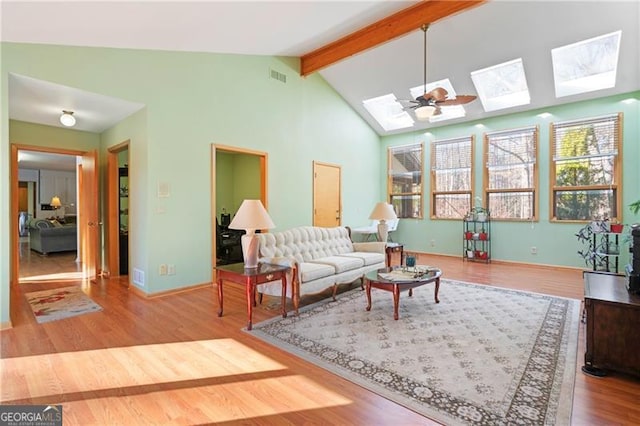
x,y
534,250
171,269
163,269
433,243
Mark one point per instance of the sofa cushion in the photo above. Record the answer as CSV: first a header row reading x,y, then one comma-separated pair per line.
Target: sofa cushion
x,y
369,258
306,243
340,263
313,271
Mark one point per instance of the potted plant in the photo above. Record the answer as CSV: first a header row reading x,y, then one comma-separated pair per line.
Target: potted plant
x,y
635,207
615,226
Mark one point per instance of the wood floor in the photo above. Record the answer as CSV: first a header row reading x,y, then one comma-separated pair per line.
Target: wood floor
x,y
171,360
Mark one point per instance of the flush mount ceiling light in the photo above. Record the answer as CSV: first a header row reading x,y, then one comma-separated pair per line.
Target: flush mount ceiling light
x,y
67,119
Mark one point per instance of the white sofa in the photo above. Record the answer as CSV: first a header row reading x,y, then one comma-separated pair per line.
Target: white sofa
x,y
319,258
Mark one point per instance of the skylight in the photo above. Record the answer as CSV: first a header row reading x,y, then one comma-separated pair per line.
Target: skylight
x,y
388,112
502,86
587,65
447,113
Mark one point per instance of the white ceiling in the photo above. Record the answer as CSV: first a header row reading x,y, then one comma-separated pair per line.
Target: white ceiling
x,y
492,33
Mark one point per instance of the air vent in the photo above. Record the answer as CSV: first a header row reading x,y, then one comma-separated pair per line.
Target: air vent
x,y
278,76
138,277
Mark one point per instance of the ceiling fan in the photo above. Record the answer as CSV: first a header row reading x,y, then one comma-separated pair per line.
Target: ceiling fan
x,y
428,104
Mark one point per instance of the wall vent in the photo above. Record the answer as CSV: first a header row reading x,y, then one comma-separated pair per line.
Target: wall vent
x,y
138,277
278,76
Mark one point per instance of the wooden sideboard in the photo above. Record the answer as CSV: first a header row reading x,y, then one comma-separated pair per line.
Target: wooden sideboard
x,y
613,325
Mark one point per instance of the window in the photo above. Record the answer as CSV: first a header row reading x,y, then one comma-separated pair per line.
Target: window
x,y
388,112
585,170
512,173
502,86
587,65
451,177
404,183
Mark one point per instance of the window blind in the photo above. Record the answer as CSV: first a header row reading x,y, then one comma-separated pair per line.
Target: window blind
x,y
586,138
512,147
452,154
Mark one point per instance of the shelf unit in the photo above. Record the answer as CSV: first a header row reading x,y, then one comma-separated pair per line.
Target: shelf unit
x,y
123,183
605,247
476,236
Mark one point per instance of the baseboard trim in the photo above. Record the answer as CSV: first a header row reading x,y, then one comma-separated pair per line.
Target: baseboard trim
x,y
500,261
138,291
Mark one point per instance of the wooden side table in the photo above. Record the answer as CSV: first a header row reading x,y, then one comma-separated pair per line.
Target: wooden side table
x,y
393,248
251,278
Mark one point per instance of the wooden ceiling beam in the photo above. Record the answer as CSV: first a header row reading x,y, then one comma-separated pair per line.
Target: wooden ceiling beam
x,y
389,28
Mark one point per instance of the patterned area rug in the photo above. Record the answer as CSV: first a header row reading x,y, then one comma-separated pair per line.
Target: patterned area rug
x,y
60,303
483,355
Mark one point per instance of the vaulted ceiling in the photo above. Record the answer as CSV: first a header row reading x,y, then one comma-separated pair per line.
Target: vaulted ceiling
x,y
478,37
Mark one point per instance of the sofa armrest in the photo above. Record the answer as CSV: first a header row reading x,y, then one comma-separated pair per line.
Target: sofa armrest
x,y
373,246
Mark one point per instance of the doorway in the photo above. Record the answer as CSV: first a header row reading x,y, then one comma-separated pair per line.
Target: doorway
x,y
118,190
42,174
236,174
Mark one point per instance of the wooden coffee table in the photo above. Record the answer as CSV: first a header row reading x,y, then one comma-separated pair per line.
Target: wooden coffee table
x,y
408,282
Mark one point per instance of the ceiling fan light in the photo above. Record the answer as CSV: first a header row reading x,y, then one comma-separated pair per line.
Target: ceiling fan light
x,y
67,119
425,112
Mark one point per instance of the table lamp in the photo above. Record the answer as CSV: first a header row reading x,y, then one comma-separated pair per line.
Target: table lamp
x,y
251,216
383,212
55,204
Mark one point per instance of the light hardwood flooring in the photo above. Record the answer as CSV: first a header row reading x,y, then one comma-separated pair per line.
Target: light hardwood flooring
x,y
171,360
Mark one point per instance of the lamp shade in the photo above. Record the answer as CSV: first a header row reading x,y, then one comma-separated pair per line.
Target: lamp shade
x,y
383,211
67,119
251,215
55,202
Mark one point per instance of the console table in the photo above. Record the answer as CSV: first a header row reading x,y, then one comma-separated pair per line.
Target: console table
x,y
613,324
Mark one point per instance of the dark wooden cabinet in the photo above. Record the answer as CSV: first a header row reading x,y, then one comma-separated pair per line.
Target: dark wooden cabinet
x,y
613,325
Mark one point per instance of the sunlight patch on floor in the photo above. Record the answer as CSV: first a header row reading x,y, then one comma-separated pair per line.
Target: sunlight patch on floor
x,y
122,367
213,404
211,380
61,276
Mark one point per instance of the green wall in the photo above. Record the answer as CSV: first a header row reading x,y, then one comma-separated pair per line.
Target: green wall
x,y
512,241
193,100
237,179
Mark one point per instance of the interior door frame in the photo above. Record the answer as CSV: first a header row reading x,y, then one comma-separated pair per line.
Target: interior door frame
x,y
112,189
13,220
263,157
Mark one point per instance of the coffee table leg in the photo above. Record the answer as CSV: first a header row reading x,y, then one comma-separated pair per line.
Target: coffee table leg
x,y
396,300
437,289
368,288
219,297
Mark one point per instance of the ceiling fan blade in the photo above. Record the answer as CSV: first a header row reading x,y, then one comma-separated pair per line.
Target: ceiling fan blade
x,y
438,94
459,100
